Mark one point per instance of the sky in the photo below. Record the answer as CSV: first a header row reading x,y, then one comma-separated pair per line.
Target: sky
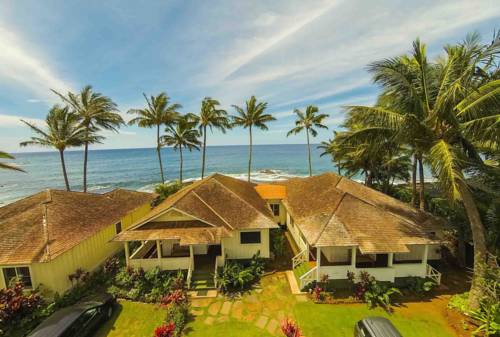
x,y
288,53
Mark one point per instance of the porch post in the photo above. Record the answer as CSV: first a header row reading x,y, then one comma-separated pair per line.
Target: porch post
x,y
127,252
158,249
426,254
191,256
318,264
390,259
353,256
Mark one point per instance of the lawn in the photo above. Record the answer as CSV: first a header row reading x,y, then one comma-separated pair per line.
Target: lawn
x,y
259,312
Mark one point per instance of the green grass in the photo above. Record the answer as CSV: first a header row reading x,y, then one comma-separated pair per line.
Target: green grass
x,y
275,302
132,319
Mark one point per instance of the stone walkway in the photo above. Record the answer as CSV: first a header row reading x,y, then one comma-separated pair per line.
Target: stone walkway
x,y
265,306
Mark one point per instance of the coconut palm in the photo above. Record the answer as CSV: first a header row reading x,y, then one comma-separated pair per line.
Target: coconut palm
x,y
8,166
182,134
308,122
461,110
63,130
95,112
210,117
157,113
252,116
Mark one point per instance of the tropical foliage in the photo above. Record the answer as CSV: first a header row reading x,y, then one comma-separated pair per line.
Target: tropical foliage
x,y
253,115
443,111
63,130
8,166
371,291
95,112
182,134
308,122
157,113
211,117
236,276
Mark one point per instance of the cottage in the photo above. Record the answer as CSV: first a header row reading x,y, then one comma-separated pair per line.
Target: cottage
x,y
51,234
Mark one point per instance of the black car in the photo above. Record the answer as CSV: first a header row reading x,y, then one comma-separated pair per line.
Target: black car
x,y
79,320
375,327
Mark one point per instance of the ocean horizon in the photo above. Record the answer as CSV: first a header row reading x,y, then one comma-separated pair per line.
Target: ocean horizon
x,y
138,168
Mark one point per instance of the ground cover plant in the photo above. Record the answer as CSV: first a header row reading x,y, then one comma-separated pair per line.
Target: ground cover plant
x,y
371,291
237,276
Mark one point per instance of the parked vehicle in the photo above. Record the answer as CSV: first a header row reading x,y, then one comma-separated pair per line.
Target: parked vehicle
x,y
79,320
375,327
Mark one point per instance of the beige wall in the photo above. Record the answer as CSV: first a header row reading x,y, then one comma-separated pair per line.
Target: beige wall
x,y
173,215
337,254
417,253
87,255
295,231
282,217
235,250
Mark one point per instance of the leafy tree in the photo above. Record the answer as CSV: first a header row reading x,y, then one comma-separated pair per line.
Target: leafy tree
x,y
158,112
211,117
182,135
252,116
8,166
308,122
455,110
62,131
95,112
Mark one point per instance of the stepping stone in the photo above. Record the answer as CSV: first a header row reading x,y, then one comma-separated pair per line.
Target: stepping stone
x,y
258,291
214,308
209,320
200,303
222,319
252,299
197,312
261,322
237,311
272,326
226,308
301,298
281,315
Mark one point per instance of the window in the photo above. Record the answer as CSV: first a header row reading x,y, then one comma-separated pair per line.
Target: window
x,y
22,273
118,227
249,237
276,209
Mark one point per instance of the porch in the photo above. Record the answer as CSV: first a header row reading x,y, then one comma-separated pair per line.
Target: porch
x,y
336,262
199,261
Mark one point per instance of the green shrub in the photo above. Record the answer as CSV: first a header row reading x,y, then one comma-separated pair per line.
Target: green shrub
x,y
177,305
419,286
371,291
278,242
167,189
237,276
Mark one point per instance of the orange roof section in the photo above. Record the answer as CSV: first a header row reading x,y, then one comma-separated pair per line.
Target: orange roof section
x,y
271,191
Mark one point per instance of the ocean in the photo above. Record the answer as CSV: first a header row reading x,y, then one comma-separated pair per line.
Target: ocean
x,y
138,169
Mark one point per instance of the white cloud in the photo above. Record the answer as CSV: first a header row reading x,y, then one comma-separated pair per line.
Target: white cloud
x,y
10,121
25,67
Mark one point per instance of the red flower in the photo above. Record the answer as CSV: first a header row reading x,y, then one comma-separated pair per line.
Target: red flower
x,y
290,328
165,330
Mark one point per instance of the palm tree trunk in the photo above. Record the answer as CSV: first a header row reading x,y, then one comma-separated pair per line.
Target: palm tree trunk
x,y
422,183
65,174
414,181
158,150
480,250
203,155
85,158
309,153
180,169
250,154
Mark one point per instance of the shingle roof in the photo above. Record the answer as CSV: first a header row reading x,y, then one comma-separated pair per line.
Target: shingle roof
x,y
220,202
334,211
70,218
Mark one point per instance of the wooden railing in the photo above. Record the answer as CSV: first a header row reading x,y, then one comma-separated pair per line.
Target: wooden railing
x,y
299,258
433,274
307,278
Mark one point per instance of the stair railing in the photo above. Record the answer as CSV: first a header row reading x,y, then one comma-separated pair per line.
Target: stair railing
x,y
299,258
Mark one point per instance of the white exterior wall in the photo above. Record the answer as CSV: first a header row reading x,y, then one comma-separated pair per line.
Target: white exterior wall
x,y
235,250
172,263
295,231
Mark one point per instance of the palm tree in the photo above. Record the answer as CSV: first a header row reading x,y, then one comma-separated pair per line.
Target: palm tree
x,y
8,166
182,134
158,112
95,112
63,131
211,117
252,115
308,122
461,110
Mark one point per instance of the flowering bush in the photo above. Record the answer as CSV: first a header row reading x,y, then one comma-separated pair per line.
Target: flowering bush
x,y
165,330
15,304
176,297
290,328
